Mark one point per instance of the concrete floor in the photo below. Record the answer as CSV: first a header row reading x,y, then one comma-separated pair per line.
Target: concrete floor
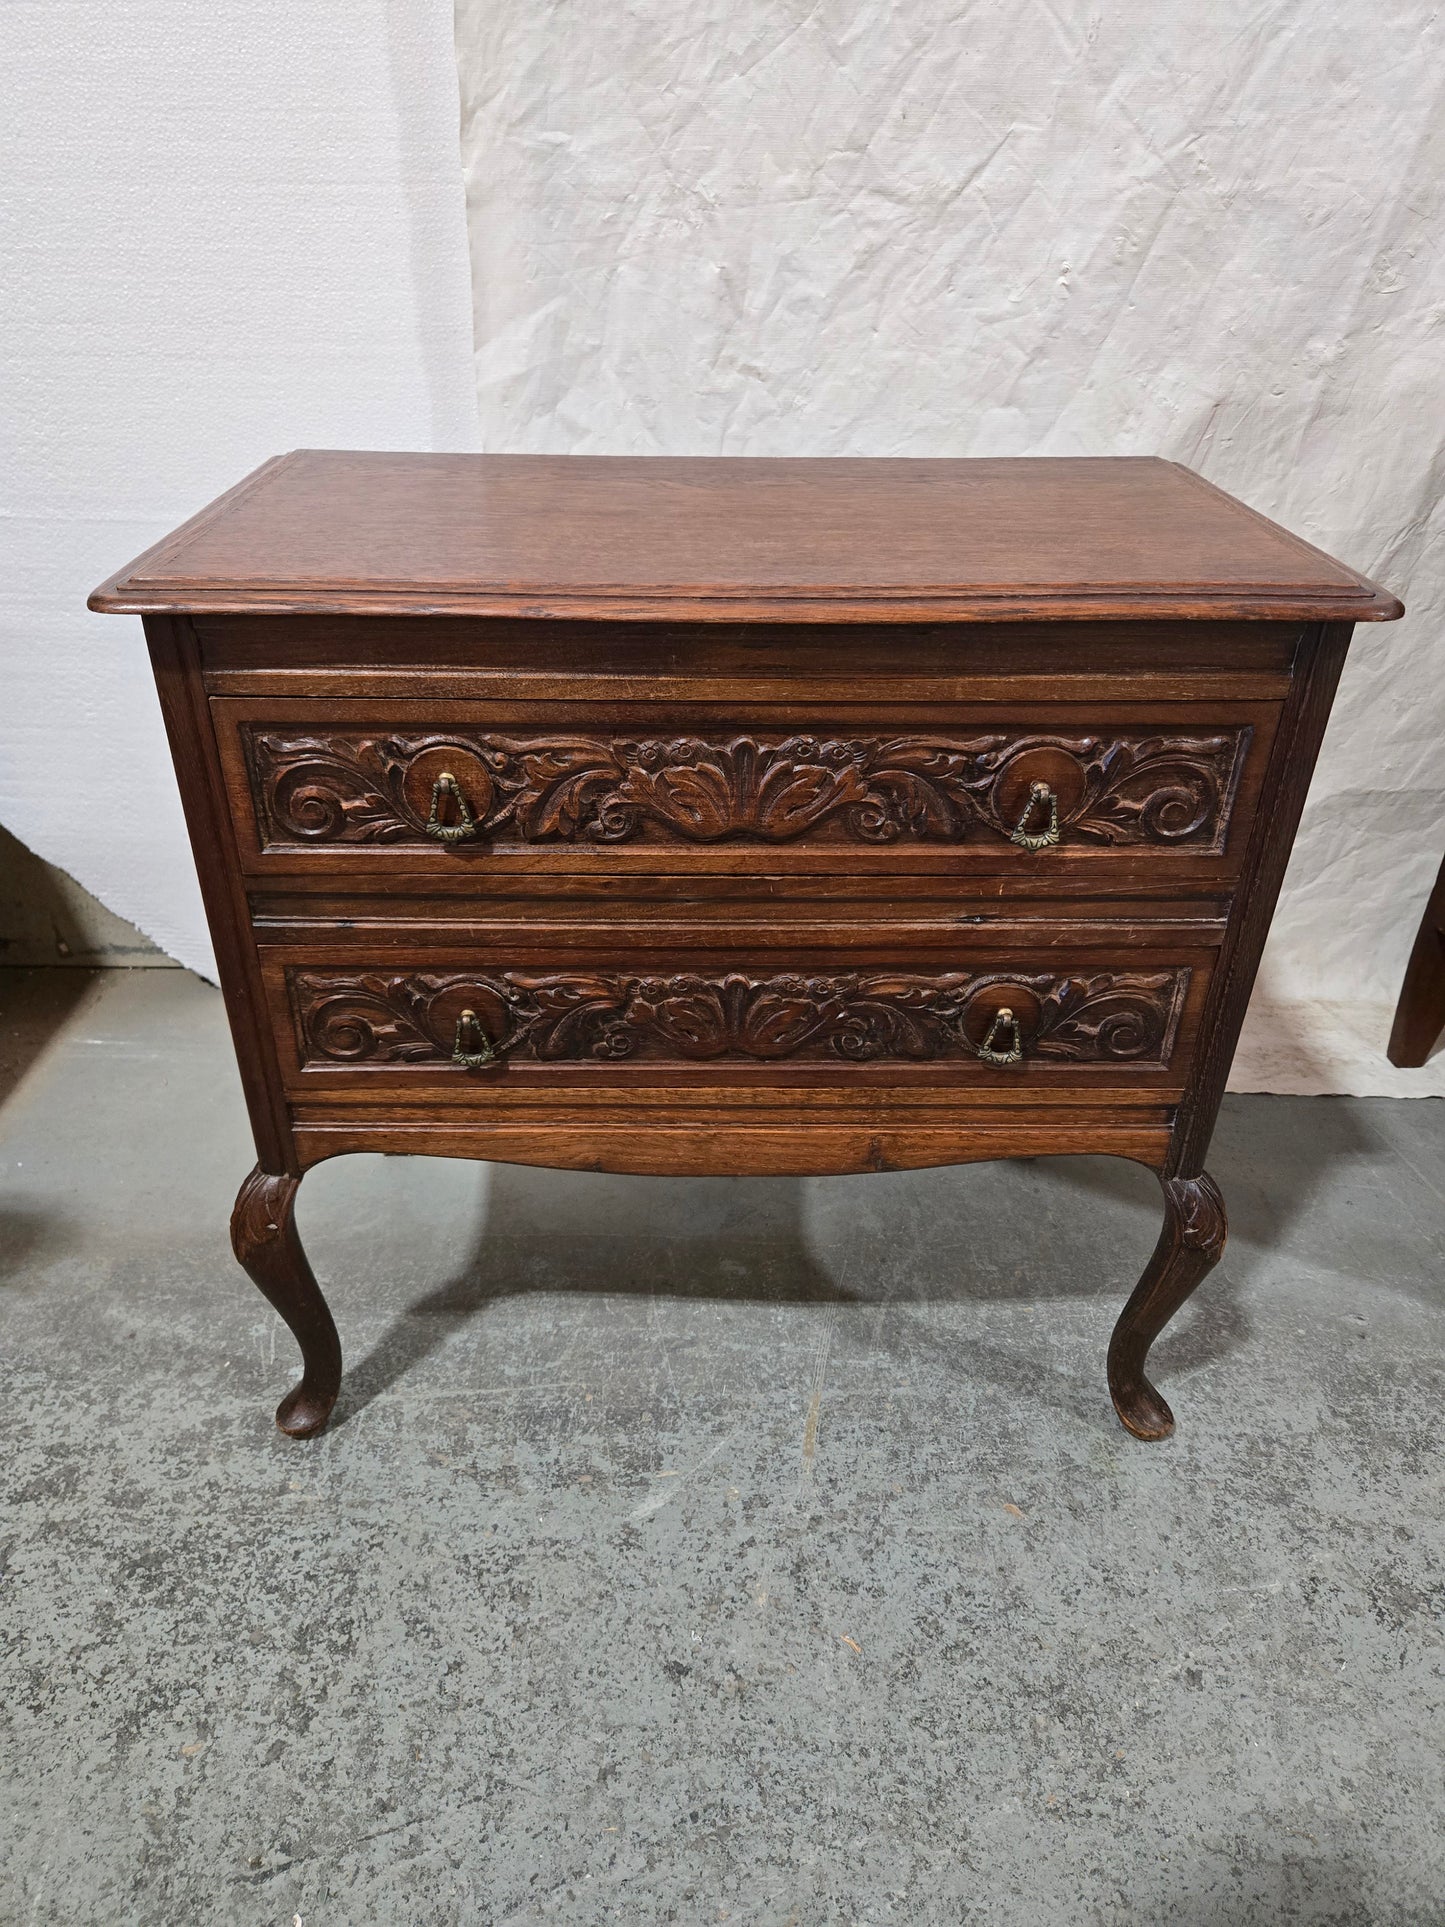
x,y
701,1551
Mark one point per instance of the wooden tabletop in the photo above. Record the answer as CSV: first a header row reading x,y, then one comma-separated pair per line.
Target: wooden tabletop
x,y
719,539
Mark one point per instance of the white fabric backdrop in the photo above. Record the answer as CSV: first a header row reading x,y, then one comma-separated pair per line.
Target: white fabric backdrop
x,y
1208,230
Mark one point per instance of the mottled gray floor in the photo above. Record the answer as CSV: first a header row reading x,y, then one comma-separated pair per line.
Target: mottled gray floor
x,y
701,1551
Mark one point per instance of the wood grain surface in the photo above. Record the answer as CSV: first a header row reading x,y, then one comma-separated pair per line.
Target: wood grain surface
x,y
739,817
825,540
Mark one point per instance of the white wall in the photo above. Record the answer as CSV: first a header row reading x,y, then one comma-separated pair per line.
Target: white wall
x,y
230,229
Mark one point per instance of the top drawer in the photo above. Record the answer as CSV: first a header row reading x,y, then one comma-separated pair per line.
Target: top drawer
x,y
406,786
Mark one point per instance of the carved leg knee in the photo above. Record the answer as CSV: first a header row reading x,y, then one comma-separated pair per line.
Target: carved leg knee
x,y
264,1239
1189,1247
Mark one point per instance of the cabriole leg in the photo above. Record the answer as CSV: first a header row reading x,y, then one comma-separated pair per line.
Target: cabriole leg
x,y
1190,1245
264,1239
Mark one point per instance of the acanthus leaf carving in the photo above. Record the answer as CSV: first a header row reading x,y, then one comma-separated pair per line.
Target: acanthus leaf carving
x,y
1197,1210
857,1017
332,787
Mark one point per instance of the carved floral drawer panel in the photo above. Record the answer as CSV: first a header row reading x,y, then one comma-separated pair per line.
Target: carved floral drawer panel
x,y
435,786
452,1020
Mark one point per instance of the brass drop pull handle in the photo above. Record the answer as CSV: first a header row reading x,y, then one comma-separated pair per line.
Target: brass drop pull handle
x,y
466,824
473,1049
1039,794
1014,1054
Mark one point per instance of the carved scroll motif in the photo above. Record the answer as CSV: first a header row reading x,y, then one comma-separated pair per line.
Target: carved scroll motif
x,y
376,1018
1170,790
1199,1210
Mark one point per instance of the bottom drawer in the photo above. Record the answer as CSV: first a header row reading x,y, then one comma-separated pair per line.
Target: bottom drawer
x,y
466,1024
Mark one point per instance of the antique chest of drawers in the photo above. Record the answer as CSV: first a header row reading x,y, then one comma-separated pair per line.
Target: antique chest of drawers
x,y
688,816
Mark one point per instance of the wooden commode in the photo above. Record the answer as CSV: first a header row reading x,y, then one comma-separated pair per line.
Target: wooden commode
x,y
735,816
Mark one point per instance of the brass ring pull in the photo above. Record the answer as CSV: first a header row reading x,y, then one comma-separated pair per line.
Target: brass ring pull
x,y
473,1049
1039,794
447,785
1014,1054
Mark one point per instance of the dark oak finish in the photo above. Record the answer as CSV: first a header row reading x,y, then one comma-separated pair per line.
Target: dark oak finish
x,y
827,541
1420,1013
1190,1245
264,1239
327,788
409,787
741,817
598,1016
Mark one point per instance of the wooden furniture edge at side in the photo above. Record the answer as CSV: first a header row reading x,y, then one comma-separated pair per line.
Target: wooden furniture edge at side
x,y
1420,1013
